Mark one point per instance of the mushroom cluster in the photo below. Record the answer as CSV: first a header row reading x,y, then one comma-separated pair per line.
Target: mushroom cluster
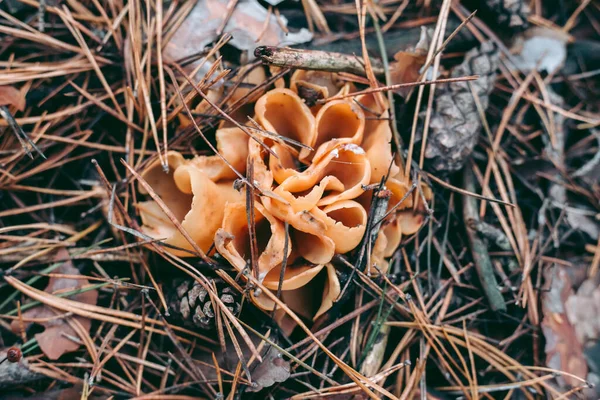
x,y
309,164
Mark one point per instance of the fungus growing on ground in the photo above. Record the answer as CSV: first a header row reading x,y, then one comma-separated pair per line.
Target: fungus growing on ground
x,y
311,180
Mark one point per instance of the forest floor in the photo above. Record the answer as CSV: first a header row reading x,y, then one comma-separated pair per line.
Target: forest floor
x,y
240,199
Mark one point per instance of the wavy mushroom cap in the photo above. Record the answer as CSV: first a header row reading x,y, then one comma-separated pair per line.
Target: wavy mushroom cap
x,y
340,173
338,122
192,197
232,144
377,146
300,296
282,112
317,84
308,167
233,239
346,222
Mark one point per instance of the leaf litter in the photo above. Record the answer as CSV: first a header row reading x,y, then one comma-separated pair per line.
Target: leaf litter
x,y
250,25
59,328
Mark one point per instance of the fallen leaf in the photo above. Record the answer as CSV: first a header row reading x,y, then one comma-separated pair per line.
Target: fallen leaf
x,y
407,64
583,310
10,96
246,25
271,370
564,352
53,341
542,49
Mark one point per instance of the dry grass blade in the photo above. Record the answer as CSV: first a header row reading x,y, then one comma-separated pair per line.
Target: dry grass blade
x,y
399,86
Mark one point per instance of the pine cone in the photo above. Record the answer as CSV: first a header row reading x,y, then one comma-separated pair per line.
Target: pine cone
x,y
455,122
509,13
190,302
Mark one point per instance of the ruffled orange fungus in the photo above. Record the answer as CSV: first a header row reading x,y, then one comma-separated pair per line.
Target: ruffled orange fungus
x,y
312,180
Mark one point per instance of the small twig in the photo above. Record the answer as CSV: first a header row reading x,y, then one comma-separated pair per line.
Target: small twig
x,y
481,257
466,192
42,16
379,205
230,9
19,133
251,218
316,60
286,245
390,95
399,86
490,232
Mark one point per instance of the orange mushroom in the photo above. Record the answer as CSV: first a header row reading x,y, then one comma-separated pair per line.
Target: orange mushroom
x,y
282,112
190,194
308,204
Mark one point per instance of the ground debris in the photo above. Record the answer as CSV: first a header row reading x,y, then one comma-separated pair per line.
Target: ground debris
x,y
583,310
12,374
246,25
348,269
542,49
564,352
54,341
271,370
509,13
456,122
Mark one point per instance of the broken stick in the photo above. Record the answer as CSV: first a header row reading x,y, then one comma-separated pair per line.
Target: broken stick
x,y
479,251
315,60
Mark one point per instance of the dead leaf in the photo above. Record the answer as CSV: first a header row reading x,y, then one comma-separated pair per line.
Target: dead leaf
x,y
246,25
564,352
408,63
542,49
264,374
10,96
583,310
406,69
53,341
271,370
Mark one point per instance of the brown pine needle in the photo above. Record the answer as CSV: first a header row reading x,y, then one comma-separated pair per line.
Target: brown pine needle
x,y
399,86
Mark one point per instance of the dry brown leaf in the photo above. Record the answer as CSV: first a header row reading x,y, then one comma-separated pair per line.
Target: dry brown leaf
x,y
53,341
246,25
408,63
563,351
10,96
271,370
406,69
583,310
